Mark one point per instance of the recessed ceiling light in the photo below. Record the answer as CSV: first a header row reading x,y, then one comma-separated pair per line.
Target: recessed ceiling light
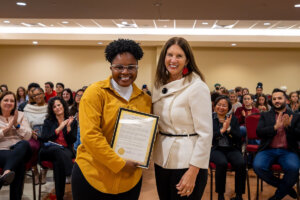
x,y
21,3
165,26
51,25
64,22
41,24
25,24
124,23
297,6
35,42
100,43
267,24
233,44
204,23
6,22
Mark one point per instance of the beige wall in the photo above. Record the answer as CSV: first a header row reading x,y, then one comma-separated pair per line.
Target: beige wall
x,y
78,65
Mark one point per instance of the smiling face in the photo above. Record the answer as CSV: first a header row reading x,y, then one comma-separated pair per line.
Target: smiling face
x,y
221,107
7,103
59,88
175,61
124,77
38,97
58,108
66,96
278,101
48,89
261,101
232,98
78,97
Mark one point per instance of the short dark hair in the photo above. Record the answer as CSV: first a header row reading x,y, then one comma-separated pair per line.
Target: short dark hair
x,y
68,90
5,94
51,115
238,89
40,89
122,46
279,90
162,75
32,85
219,98
50,84
61,84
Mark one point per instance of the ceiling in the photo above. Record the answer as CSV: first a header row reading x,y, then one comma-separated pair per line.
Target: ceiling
x,y
213,23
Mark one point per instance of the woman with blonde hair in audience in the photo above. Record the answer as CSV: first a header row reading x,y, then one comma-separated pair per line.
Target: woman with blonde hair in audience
x,y
262,103
36,114
182,100
294,102
234,102
58,135
67,95
14,146
20,95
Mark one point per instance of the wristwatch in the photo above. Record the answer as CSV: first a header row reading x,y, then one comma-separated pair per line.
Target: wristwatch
x,y
18,126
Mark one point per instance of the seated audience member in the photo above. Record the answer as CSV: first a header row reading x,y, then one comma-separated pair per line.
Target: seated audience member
x,y
59,89
259,91
49,90
294,102
213,97
36,114
244,92
234,102
146,90
279,131
217,87
59,134
262,103
74,112
20,95
14,147
227,148
67,95
238,91
30,89
242,112
3,88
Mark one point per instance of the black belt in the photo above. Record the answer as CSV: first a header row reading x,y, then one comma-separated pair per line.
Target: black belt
x,y
179,135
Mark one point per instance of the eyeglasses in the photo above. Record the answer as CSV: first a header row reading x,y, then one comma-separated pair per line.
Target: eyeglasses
x,y
121,68
35,95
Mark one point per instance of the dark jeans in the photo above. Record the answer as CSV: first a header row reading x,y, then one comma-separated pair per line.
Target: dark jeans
x,y
82,190
15,160
221,157
289,163
62,166
167,179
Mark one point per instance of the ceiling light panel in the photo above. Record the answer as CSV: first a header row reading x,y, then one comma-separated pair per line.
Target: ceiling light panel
x,y
106,23
202,23
185,23
164,23
264,24
286,24
144,23
246,24
85,23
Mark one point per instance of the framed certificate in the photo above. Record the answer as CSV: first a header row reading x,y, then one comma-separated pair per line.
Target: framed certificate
x,y
134,136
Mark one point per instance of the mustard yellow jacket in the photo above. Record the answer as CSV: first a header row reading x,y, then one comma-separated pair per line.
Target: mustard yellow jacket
x,y
98,111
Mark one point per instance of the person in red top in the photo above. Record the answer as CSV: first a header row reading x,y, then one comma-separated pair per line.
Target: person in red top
x,y
58,135
49,91
242,112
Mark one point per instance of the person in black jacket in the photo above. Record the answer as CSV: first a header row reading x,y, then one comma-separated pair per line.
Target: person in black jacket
x,y
227,148
58,134
279,131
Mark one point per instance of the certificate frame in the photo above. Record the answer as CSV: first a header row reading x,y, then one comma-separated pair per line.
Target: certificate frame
x,y
151,138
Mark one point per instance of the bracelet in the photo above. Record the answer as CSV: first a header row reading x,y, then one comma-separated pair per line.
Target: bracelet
x,y
18,126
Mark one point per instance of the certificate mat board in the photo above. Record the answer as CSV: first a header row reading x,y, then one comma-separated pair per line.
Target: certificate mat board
x,y
134,136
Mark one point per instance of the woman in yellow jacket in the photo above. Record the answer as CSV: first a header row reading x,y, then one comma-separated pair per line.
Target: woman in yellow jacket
x,y
99,173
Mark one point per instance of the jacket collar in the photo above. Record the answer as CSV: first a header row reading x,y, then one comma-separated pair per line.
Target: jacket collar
x,y
172,87
135,90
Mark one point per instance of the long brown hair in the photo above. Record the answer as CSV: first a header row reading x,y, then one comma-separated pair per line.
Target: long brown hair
x,y
162,75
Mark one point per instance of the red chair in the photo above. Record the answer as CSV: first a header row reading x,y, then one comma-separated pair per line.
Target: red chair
x,y
212,167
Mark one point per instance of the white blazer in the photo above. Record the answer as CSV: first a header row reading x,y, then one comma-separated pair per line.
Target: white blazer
x,y
184,109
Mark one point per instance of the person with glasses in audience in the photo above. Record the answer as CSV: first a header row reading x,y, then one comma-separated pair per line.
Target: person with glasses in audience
x,y
182,100
30,100
36,114
99,172
226,147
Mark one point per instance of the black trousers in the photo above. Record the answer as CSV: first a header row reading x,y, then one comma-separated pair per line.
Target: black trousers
x,y
167,179
62,166
221,156
82,190
15,160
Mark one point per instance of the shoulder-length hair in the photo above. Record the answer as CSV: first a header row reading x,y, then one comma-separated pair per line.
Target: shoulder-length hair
x,y
71,100
5,93
74,108
162,75
290,95
51,115
265,103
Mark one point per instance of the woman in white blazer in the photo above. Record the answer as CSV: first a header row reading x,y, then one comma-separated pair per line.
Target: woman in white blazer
x,y
182,100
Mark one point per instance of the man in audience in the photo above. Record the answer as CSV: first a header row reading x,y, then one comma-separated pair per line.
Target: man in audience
x,y
30,100
279,131
49,91
59,89
238,91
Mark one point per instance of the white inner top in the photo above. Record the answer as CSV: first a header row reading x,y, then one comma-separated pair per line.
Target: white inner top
x,y
124,92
